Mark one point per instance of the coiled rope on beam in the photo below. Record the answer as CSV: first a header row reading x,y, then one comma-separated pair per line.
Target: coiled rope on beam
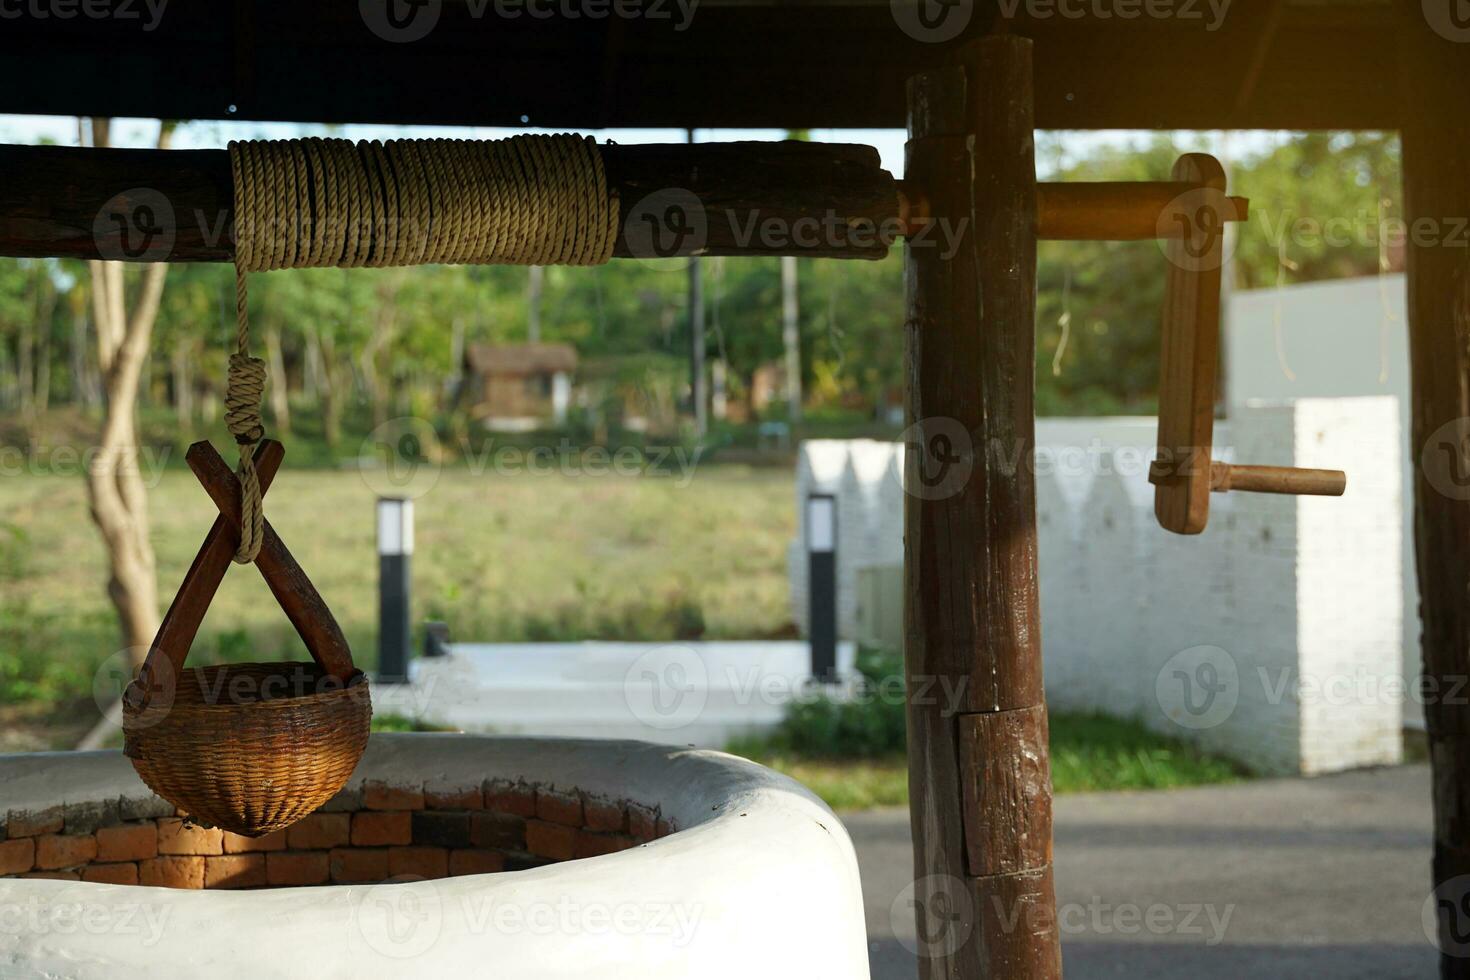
x,y
316,203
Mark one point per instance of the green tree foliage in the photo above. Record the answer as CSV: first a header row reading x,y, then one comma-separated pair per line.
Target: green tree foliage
x,y
358,345
1318,205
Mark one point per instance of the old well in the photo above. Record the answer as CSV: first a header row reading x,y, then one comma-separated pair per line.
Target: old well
x,y
444,855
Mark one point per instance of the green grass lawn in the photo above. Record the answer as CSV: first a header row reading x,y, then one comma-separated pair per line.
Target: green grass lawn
x,y
1088,753
514,557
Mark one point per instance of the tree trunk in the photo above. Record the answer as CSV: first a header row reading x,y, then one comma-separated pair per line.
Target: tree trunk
x,y
449,391
41,390
83,383
183,387
115,489
25,369
331,397
384,322
279,392
9,382
535,280
791,337
311,368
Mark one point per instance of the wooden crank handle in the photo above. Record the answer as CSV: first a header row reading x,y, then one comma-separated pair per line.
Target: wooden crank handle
x,y
181,623
299,599
1277,479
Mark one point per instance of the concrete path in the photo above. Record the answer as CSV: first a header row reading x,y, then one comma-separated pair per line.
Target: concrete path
x,y
1321,877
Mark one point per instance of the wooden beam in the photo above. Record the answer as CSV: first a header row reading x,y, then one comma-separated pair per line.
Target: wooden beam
x,y
1266,31
1436,154
729,64
773,198
979,781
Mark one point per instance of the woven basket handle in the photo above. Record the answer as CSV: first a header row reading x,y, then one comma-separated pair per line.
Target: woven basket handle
x,y
298,598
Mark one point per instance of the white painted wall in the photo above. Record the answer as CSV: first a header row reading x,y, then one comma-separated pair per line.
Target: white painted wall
x,y
1341,338
1294,604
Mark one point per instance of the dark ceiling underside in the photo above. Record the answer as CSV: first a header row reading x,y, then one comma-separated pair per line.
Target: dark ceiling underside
x,y
1267,65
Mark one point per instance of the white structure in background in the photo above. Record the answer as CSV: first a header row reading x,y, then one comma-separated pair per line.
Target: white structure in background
x,y
561,397
1286,612
1330,339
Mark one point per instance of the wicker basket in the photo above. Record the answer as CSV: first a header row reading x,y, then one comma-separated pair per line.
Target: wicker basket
x,y
252,747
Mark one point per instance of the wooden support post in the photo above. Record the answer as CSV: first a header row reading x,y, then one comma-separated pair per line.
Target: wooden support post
x,y
1436,154
979,776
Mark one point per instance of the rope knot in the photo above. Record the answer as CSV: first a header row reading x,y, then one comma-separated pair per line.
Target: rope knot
x,y
243,394
242,416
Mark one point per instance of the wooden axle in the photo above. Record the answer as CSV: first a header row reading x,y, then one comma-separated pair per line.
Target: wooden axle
x,y
784,198
820,200
1123,211
1113,211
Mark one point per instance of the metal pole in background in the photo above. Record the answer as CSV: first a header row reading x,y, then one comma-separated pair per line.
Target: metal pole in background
x,y
395,548
821,550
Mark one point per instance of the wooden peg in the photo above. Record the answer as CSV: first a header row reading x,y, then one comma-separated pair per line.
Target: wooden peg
x,y
1277,479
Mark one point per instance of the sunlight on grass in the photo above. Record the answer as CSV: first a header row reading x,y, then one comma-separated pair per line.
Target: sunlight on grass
x,y
1089,753
501,558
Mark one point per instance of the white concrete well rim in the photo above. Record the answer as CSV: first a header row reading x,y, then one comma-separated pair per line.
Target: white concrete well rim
x,y
756,869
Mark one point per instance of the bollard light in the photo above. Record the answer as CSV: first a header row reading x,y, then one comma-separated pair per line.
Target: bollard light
x,y
821,547
395,548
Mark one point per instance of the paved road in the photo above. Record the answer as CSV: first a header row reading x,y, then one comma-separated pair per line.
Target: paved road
x,y
1269,879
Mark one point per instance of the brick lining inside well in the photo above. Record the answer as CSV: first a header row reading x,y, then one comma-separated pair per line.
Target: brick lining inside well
x,y
379,832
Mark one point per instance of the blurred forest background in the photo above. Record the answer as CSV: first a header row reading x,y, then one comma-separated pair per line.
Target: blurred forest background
x,y
351,348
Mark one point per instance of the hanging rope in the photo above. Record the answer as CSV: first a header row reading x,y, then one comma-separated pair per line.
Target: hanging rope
x,y
315,203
